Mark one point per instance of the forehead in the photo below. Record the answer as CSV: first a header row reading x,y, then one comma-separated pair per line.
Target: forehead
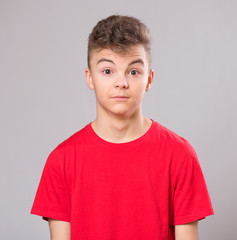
x,y
131,53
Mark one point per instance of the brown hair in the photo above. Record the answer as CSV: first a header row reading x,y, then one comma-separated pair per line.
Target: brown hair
x,y
118,33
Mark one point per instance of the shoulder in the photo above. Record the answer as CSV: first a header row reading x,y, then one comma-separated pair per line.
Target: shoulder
x,y
60,156
170,139
175,147
73,140
68,145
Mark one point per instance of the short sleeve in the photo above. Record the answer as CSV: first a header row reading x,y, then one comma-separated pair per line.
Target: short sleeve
x,y
191,198
51,199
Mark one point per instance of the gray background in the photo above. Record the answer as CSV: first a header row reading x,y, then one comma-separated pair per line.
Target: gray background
x,y
44,97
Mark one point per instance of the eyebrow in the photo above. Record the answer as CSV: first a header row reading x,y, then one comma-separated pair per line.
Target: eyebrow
x,y
137,61
108,60
105,60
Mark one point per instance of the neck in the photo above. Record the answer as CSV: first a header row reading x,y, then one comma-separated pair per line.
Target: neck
x,y
119,130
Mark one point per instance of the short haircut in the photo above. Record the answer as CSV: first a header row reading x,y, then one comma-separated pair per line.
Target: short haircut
x,y
118,33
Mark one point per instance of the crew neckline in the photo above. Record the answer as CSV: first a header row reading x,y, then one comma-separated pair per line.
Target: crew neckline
x,y
134,142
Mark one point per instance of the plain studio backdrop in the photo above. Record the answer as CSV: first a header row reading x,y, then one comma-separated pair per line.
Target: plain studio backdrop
x,y
44,98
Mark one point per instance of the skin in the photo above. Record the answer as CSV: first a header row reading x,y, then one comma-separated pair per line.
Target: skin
x,y
59,230
187,231
114,74
119,121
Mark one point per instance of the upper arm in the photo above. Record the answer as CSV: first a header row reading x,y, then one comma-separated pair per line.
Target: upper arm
x,y
59,230
187,231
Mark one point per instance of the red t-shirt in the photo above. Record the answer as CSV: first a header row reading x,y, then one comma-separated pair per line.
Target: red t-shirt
x,y
123,191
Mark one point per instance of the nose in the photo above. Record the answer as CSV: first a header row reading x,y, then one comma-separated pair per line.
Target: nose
x,y
121,81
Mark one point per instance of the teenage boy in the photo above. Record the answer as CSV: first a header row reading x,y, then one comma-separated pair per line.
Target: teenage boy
x,y
123,176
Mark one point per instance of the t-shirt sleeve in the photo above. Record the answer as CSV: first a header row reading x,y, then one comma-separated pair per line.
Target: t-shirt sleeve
x,y
191,198
51,197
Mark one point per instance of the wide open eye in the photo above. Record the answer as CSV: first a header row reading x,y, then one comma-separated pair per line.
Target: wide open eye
x,y
133,72
107,71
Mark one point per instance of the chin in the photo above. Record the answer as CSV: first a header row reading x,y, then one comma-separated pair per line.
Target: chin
x,y
120,113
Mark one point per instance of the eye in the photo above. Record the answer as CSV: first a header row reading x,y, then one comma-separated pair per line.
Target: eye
x,y
107,71
133,72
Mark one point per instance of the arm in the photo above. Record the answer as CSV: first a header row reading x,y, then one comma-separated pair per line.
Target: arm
x,y
187,231
59,230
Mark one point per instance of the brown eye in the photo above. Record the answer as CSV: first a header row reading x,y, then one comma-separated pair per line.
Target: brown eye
x,y
134,72
107,71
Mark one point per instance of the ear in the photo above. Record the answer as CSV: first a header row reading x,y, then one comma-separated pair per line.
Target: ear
x,y
89,78
150,80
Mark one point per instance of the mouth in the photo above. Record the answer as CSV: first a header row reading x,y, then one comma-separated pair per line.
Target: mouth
x,y
120,98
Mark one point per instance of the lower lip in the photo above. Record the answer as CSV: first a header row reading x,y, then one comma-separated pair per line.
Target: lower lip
x,y
121,99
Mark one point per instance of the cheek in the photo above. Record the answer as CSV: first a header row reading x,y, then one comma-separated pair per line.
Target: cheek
x,y
138,88
102,90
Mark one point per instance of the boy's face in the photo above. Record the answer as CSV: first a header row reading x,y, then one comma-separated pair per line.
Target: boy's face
x,y
114,75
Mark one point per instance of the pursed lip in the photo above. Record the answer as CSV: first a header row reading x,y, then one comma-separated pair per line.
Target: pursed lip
x,y
120,96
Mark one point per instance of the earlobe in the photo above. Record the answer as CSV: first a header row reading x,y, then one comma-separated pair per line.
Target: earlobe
x,y
150,79
148,87
89,79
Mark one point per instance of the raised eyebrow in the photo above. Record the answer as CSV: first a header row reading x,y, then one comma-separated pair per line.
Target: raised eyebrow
x,y
137,61
105,60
